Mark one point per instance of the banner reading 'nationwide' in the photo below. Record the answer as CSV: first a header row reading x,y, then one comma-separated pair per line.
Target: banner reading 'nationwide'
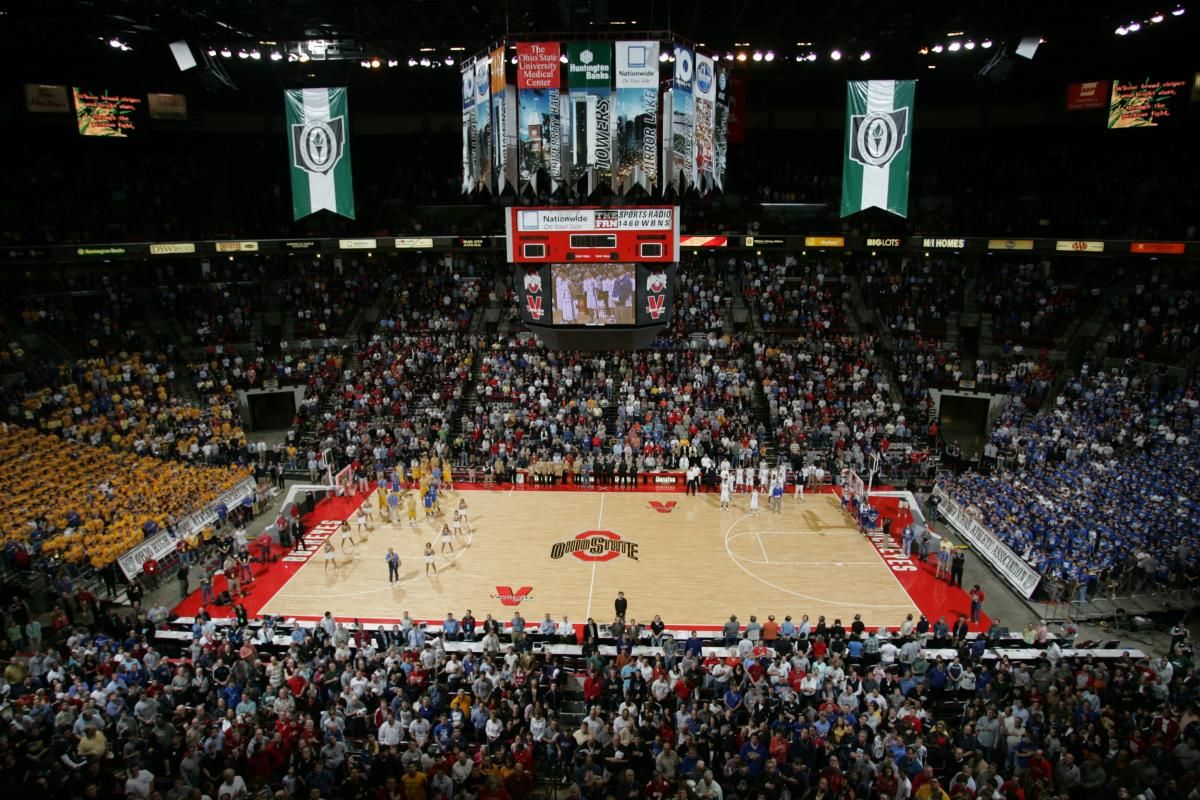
x,y
589,77
318,131
877,156
540,136
636,162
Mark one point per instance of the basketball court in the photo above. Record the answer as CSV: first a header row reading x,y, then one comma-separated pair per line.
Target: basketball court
x,y
570,552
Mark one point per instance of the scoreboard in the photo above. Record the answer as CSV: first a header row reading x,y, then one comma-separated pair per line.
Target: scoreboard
x,y
557,235
594,278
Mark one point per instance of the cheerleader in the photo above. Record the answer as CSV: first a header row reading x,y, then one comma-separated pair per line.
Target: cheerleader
x,y
457,523
364,517
754,502
462,515
330,555
430,559
347,535
447,539
726,490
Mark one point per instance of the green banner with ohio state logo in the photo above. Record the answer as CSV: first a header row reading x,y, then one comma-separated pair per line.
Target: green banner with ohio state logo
x,y
878,150
318,135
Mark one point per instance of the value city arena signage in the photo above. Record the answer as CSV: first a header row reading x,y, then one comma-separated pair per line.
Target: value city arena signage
x,y
595,546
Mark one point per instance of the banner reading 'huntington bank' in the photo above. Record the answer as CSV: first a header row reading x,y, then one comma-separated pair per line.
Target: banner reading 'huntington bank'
x,y
878,151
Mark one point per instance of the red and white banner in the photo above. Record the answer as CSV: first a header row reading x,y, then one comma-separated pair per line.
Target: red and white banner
x,y
703,241
538,66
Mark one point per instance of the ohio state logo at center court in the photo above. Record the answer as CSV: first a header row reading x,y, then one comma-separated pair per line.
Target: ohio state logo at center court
x,y
595,546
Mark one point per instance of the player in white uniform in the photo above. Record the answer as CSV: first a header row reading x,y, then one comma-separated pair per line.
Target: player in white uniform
x,y
564,301
754,502
726,490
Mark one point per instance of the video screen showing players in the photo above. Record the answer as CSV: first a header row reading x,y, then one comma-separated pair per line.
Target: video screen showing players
x,y
593,294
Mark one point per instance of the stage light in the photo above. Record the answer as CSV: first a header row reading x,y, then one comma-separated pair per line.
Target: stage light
x,y
226,53
937,48
448,61
924,51
393,62
412,62
513,60
812,56
969,45
662,57
1157,18
365,64
836,55
1121,31
563,58
866,56
276,57
255,55
114,43
741,56
425,62
770,55
243,54
1134,27
758,56
303,58
986,44
212,52
1177,12
954,47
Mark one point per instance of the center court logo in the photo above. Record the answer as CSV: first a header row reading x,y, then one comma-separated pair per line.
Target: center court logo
x,y
595,546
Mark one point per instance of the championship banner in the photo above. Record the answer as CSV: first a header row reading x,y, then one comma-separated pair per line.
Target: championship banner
x,y
504,123
470,154
878,151
318,131
483,125
705,105
721,128
637,116
683,163
538,86
589,77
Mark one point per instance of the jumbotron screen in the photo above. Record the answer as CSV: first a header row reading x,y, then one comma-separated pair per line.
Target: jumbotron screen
x,y
593,294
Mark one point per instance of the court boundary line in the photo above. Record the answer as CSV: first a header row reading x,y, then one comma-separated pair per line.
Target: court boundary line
x,y
592,586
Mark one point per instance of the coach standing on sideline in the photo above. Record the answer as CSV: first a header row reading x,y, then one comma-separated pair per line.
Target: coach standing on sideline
x,y
393,563
693,479
621,605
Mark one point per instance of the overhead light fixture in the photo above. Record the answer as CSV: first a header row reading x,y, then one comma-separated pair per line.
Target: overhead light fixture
x,y
448,61
430,49
1177,11
425,62
937,48
836,55
1134,27
933,66
376,63
365,64
954,47
227,53
924,51
412,62
114,43
663,56
303,57
986,44
276,56
513,60
741,56
758,56
212,52
563,58
729,56
954,33
812,56
1157,18
866,56
769,56
255,55
1121,31
969,45
243,54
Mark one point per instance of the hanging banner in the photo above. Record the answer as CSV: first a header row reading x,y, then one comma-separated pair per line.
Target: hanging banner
x,y
538,83
504,123
589,78
470,152
318,131
721,128
483,126
637,116
683,162
877,155
667,144
705,103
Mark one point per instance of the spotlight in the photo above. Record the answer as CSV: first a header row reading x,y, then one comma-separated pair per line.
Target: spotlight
x,y
1134,27
212,52
986,44
836,55
1157,18
663,57
243,54
425,62
276,57
1177,12
513,60
448,61
563,58
969,45
924,51
866,56
303,58
812,56
255,55
741,56
393,62
954,47
226,53
412,62
729,56
937,48
114,43
770,56
758,56
365,64
1121,31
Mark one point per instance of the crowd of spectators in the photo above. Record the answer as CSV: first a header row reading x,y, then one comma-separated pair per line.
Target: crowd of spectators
x,y
794,296
324,297
914,296
1101,485
1034,302
1156,316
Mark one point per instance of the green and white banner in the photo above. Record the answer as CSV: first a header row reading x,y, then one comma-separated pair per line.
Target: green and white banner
x,y
878,150
318,131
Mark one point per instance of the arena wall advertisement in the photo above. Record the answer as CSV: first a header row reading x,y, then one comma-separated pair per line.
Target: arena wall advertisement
x,y
1012,568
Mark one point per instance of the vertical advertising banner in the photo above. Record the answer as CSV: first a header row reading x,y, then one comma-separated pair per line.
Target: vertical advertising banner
x,y
667,142
589,78
878,146
721,128
469,152
318,135
636,77
683,121
504,123
483,126
539,135
705,100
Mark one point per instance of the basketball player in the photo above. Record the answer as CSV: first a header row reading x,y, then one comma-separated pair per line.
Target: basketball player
x,y
447,539
740,481
564,301
430,558
429,503
726,490
800,488
754,502
330,555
